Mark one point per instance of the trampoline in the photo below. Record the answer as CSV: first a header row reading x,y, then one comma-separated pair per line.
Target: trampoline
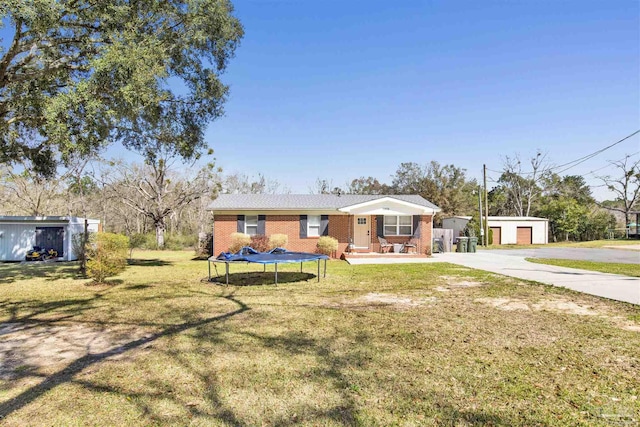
x,y
275,256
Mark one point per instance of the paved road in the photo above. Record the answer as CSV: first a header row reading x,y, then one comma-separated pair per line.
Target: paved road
x,y
510,263
612,286
586,254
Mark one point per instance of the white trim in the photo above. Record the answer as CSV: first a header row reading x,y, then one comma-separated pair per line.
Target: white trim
x,y
397,225
424,209
309,225
245,224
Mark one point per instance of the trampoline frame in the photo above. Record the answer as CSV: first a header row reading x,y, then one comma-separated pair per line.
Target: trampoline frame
x,y
317,258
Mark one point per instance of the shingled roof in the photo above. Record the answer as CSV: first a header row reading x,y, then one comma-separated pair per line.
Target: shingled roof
x,y
304,201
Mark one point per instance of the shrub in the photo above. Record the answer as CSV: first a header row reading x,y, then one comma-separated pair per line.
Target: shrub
x,y
137,241
107,256
178,242
260,243
238,240
278,241
205,245
79,247
327,245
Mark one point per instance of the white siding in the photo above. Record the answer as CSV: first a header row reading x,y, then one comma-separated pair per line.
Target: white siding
x,y
18,234
16,240
509,230
77,227
456,224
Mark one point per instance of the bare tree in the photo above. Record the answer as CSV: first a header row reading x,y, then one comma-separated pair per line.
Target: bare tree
x,y
156,190
239,183
522,188
324,186
626,186
28,193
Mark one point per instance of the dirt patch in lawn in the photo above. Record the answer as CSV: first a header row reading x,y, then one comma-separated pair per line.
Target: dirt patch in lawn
x,y
555,305
460,282
373,300
34,350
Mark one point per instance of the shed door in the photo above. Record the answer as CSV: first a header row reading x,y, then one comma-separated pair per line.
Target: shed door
x,y
496,235
51,238
524,235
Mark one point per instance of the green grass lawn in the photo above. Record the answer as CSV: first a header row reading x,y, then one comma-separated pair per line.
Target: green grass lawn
x,y
590,244
604,267
405,345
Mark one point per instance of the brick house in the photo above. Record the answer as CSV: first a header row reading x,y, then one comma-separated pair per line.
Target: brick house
x,y
355,220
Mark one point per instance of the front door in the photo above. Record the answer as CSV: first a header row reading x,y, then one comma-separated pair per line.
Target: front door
x,y
361,232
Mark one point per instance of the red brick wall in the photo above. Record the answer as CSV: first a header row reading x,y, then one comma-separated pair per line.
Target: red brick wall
x,y
339,227
283,224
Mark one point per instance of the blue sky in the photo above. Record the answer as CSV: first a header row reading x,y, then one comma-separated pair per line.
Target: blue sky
x,y
342,89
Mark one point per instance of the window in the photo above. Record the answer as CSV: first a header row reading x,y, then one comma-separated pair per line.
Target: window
x,y
362,221
313,225
398,225
251,225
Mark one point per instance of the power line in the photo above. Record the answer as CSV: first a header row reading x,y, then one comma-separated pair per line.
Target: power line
x,y
580,160
595,153
606,166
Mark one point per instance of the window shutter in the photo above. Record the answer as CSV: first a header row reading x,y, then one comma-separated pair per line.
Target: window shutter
x,y
240,228
380,225
303,226
416,226
261,223
324,225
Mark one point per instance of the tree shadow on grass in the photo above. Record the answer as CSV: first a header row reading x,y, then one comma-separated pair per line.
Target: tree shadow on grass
x,y
49,271
262,278
67,374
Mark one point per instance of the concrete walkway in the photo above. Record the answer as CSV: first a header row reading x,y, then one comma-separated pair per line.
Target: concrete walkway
x,y
612,286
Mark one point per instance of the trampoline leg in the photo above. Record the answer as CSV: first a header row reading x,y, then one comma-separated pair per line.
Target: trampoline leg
x,y
276,274
325,268
318,271
300,267
227,271
264,270
209,264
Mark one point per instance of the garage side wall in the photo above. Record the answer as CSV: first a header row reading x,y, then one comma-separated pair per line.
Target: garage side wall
x,y
16,240
509,231
77,228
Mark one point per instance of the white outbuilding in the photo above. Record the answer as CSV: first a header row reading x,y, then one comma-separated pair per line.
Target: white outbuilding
x,y
507,230
18,234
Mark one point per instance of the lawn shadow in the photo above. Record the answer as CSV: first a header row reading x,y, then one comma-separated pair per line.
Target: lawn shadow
x,y
49,271
67,374
155,262
262,278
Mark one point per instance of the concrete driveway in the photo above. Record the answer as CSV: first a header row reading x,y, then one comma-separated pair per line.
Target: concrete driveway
x,y
509,263
584,254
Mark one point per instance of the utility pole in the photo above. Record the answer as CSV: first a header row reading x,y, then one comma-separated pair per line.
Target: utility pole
x,y
486,206
482,236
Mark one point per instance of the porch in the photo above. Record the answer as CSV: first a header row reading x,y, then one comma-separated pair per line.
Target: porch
x,y
388,227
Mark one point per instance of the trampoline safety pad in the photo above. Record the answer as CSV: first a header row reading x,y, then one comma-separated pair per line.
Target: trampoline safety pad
x,y
264,258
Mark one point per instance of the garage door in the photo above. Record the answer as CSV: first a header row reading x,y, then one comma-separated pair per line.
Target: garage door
x,y
50,238
524,235
496,235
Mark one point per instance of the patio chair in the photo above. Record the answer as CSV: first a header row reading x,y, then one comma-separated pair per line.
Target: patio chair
x,y
410,246
384,245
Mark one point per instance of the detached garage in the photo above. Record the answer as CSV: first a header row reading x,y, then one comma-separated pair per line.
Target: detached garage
x,y
18,234
508,230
